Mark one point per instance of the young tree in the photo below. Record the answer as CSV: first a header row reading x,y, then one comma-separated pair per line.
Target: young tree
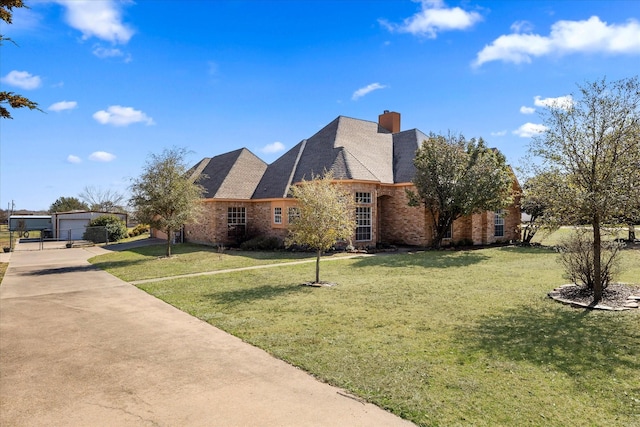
x,y
455,177
164,196
11,99
326,215
101,200
66,204
535,202
594,145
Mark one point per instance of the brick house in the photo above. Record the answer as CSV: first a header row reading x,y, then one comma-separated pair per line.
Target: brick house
x,y
246,197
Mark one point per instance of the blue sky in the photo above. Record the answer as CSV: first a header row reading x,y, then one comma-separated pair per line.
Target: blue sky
x,y
119,80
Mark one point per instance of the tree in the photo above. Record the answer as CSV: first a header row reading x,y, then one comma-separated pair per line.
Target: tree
x,y
101,200
455,177
66,204
535,202
630,212
10,98
326,215
164,196
594,146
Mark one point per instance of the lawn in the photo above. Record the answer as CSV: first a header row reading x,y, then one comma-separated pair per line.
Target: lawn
x,y
437,337
149,262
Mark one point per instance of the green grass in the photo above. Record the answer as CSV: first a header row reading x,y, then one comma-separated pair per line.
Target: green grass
x,y
149,261
5,236
437,337
552,239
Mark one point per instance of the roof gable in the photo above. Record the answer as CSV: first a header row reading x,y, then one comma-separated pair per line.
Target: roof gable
x,y
232,175
350,149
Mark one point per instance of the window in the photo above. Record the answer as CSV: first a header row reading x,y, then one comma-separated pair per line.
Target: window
x,y
449,233
293,214
236,222
363,223
363,198
236,216
499,223
277,215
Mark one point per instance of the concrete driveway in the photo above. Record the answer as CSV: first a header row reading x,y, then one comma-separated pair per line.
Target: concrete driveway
x,y
79,347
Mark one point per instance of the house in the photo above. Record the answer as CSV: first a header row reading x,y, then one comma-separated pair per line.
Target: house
x,y
246,197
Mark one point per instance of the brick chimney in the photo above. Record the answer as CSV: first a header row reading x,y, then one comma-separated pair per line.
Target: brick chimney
x,y
390,120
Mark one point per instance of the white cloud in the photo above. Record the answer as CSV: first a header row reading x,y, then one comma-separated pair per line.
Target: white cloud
x,y
63,105
276,147
118,115
97,18
22,79
522,27
566,37
435,17
73,159
366,90
101,156
528,130
527,110
563,102
499,133
104,52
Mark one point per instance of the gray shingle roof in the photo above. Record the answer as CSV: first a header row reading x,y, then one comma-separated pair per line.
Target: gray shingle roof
x,y
232,175
405,145
350,148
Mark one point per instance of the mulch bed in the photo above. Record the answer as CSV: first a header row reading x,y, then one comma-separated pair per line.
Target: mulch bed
x,y
615,296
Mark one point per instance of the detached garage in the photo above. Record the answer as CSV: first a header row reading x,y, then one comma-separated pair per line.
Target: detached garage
x,y
72,225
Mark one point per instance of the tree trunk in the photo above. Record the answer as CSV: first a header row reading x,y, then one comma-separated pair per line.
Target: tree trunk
x,y
632,232
318,266
597,268
168,251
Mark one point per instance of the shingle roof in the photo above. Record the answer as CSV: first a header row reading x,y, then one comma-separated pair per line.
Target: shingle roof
x,y
232,175
405,145
349,148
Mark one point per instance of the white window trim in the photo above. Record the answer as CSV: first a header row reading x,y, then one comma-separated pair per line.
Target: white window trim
x,y
277,216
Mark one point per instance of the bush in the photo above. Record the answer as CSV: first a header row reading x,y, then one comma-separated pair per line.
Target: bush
x,y
105,226
138,230
262,243
576,255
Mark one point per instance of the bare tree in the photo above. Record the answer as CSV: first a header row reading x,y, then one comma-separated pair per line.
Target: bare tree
x,y
102,200
593,145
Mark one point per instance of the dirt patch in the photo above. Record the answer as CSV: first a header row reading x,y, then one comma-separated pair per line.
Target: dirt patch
x,y
318,284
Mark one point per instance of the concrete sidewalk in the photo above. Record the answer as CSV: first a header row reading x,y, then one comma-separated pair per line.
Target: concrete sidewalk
x,y
79,347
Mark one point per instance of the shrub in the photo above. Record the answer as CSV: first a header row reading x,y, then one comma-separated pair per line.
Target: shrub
x,y
138,230
105,226
576,256
463,243
261,243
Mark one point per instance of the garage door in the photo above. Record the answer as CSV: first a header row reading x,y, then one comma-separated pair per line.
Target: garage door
x,y
77,227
